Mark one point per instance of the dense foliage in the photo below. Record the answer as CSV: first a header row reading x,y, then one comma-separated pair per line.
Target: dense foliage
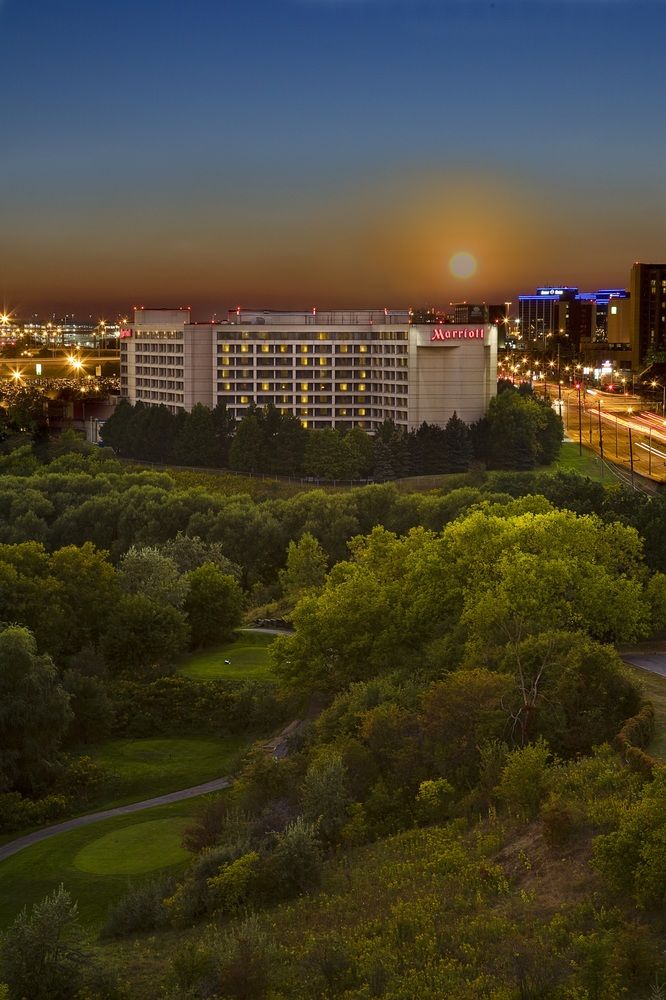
x,y
519,432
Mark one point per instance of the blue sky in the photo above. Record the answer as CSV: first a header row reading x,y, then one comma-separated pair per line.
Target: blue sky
x,y
297,151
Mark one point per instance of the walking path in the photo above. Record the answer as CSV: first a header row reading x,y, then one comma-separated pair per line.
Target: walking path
x,y
655,662
14,846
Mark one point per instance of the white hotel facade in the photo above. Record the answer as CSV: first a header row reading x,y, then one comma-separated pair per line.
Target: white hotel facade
x,y
330,369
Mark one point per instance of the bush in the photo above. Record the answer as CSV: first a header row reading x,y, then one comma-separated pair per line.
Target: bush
x,y
140,909
433,800
45,956
236,965
524,780
17,812
236,884
296,861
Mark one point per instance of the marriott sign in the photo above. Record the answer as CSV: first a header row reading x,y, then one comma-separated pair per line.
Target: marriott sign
x,y
457,333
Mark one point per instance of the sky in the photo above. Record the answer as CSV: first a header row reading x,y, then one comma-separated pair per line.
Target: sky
x,y
298,153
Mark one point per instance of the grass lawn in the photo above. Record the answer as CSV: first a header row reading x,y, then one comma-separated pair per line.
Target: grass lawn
x,y
248,656
96,862
586,464
149,767
654,687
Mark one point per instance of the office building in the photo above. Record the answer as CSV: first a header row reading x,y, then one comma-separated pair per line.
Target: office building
x,y
340,368
556,315
647,286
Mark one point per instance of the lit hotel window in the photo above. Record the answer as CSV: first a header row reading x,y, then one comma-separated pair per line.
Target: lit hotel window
x,y
343,386
265,348
361,413
304,349
265,386
304,385
245,349
304,423
304,399
323,361
363,349
361,386
226,348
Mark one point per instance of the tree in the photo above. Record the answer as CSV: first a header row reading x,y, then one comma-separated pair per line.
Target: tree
x,y
34,713
524,781
224,426
325,454
189,552
143,634
92,710
214,605
326,795
457,445
306,567
197,442
44,955
247,451
359,452
149,572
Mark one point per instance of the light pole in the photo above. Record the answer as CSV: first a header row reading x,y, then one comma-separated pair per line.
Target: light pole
x,y
662,386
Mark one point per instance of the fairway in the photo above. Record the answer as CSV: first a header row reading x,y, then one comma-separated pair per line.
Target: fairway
x,y
247,654
95,862
144,768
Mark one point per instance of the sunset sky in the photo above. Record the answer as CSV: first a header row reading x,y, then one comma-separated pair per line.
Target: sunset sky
x,y
326,152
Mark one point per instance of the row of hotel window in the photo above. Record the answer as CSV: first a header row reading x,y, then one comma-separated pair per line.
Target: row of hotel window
x,y
378,349
358,336
315,405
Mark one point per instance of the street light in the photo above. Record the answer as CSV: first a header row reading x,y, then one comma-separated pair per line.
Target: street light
x,y
662,386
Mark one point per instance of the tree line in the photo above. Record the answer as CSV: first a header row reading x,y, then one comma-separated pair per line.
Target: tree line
x,y
519,431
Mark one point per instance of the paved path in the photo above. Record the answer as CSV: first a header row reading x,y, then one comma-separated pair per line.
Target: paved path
x,y
14,846
654,662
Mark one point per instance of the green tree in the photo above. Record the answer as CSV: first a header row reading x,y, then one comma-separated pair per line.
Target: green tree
x,y
359,454
297,859
45,955
34,713
214,605
197,442
525,778
326,796
457,445
149,572
306,567
92,710
143,634
326,456
248,448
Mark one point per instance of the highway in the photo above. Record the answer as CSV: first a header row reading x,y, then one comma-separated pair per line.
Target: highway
x,y
616,424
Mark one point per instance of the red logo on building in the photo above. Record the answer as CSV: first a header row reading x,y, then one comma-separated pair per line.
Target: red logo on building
x,y
125,332
455,333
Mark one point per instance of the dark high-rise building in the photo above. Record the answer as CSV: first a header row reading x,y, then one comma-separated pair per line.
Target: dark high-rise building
x,y
556,315
648,312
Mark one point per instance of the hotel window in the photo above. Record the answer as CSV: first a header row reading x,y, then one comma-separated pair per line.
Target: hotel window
x,y
283,348
343,386
323,361
304,349
265,348
265,386
304,385
245,349
245,399
304,399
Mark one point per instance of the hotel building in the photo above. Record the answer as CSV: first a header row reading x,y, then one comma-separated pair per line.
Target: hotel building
x,y
342,369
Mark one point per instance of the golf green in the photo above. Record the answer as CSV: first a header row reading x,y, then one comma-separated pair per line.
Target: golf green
x,y
246,658
131,850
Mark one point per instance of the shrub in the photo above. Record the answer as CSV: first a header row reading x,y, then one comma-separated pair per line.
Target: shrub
x,y
524,780
433,800
296,861
236,884
44,955
140,909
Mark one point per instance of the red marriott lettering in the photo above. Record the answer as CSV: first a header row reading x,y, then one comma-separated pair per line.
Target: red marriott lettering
x,y
441,333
